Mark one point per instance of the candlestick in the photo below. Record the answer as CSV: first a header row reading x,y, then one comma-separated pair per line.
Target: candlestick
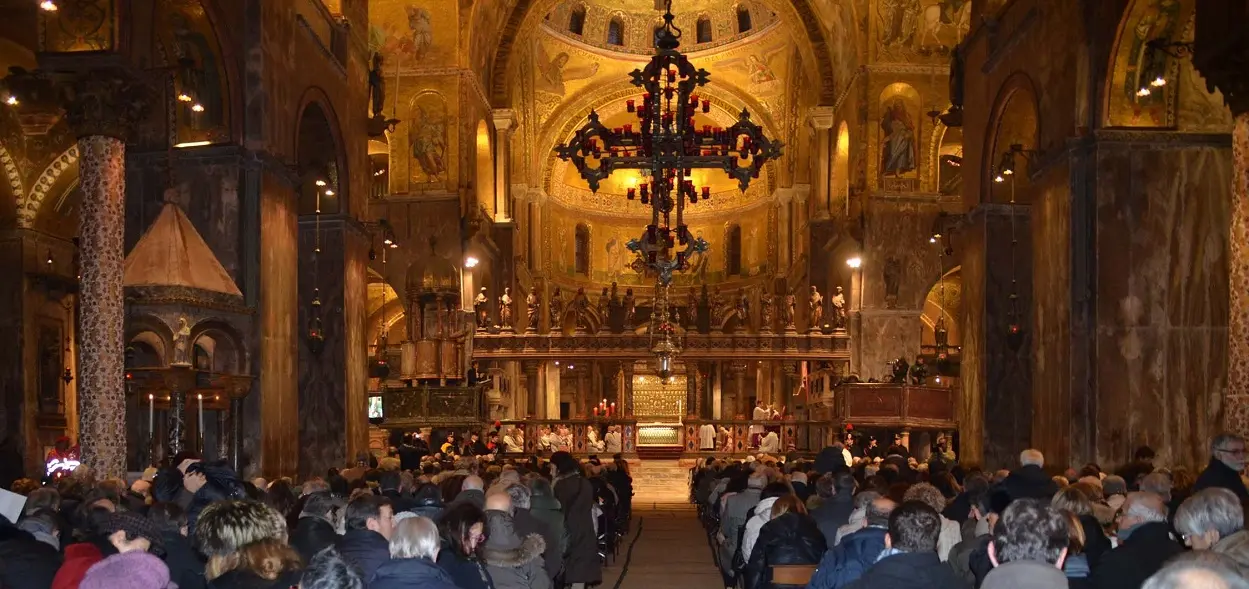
x,y
151,416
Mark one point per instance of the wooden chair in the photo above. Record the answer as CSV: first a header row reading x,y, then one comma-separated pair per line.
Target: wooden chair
x,y
792,574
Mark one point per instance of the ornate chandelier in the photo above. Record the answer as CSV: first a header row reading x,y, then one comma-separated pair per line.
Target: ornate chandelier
x,y
666,147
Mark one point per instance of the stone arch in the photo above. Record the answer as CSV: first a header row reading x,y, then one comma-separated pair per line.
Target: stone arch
x,y
945,305
1132,66
12,176
1015,119
182,31
229,353
152,332
28,208
319,154
799,14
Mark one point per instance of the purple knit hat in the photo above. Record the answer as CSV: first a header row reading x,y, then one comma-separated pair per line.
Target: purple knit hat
x,y
130,570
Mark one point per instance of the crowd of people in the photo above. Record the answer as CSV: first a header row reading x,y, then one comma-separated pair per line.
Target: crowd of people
x,y
892,522
447,521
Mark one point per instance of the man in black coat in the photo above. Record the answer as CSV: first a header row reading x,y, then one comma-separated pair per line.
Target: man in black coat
x,y
910,558
527,523
1227,461
24,561
1145,544
314,532
370,523
1141,465
1029,481
835,511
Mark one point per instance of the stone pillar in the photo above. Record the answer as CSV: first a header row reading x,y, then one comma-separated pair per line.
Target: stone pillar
x,y
717,391
105,107
581,407
740,404
503,119
626,371
1236,410
791,385
784,196
530,368
822,119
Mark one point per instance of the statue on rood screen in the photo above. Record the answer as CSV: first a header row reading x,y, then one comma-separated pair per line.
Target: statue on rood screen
x,y
505,308
601,306
816,303
481,306
631,309
839,309
789,311
181,340
743,308
556,308
581,306
719,309
532,305
765,311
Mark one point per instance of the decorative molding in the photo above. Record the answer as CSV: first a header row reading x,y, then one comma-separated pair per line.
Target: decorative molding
x,y
908,68
643,54
11,173
732,347
28,207
845,93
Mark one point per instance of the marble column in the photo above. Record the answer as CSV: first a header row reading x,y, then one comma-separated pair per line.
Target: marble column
x,y
106,106
1236,405
530,368
503,120
627,374
583,403
740,404
822,119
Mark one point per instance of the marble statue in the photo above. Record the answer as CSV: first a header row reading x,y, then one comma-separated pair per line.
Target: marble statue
x,y
556,308
743,308
893,281
816,302
481,306
839,309
581,306
765,311
631,309
718,309
788,312
505,308
181,340
533,305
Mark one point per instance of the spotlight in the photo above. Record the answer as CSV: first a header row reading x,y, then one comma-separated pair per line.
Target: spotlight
x,y
999,179
387,240
1143,92
394,245
197,107
854,262
471,262
1158,82
48,6
320,182
932,240
329,192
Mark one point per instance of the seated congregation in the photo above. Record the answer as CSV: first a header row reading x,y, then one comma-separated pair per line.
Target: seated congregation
x,y
895,523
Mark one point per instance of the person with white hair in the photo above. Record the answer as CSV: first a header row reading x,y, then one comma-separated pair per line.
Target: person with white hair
x,y
1029,481
414,547
1213,519
1199,569
1145,543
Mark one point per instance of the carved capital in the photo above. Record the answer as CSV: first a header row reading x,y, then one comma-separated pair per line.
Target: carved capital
x,y
503,119
822,117
106,101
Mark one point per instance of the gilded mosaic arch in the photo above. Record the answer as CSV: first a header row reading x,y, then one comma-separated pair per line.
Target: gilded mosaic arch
x,y
28,207
1015,119
1133,66
796,14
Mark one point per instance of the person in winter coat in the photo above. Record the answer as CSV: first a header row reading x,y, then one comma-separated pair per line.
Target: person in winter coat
x,y
1029,481
790,537
951,532
1145,544
414,547
370,523
128,570
315,530
1093,542
576,495
428,502
844,563
910,557
328,570
527,523
1028,548
835,511
737,509
25,563
463,530
1227,461
1214,519
186,566
544,507
246,545
761,514
512,561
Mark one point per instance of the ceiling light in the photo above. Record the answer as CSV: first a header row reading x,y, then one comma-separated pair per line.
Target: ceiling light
x,y
197,107
1143,92
48,5
320,182
184,97
193,144
11,100
1158,82
329,192
471,262
932,240
394,245
999,179
854,262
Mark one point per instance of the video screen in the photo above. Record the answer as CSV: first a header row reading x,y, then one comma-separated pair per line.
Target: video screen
x,y
375,408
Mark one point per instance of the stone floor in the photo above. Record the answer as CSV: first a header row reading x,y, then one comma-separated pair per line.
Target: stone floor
x,y
669,547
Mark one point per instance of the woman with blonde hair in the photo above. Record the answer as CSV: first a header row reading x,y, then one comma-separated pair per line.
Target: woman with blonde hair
x,y
1076,566
1076,501
246,546
414,548
789,537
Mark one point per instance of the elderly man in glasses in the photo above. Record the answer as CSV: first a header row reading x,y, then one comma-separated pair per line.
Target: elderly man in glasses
x,y
1227,461
1214,519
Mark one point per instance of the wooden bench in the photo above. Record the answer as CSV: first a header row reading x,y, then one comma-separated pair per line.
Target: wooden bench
x,y
792,574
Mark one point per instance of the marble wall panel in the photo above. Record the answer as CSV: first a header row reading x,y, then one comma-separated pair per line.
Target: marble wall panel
x,y
278,396
886,336
1051,318
971,405
1161,282
322,386
355,295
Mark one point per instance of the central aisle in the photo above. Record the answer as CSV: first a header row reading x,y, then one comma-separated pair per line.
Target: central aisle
x,y
671,552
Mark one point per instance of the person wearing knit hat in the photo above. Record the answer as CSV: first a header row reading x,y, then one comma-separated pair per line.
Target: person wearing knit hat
x,y
131,532
128,570
111,534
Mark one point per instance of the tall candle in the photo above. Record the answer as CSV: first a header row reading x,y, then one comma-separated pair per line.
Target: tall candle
x,y
151,416
200,400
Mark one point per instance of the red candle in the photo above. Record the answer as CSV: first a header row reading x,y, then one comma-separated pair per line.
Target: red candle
x,y
706,105
706,191
629,105
632,193
596,411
